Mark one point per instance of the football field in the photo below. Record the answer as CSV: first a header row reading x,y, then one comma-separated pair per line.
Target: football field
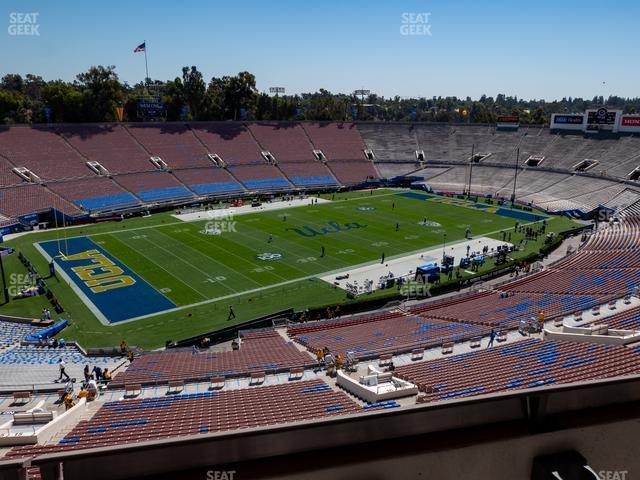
x,y
264,261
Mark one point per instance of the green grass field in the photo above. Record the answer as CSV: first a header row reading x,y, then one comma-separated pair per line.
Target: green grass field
x,y
204,274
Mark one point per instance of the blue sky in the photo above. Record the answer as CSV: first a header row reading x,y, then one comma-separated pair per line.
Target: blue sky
x,y
543,49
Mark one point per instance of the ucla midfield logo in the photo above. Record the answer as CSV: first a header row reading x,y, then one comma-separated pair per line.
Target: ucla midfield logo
x,y
333,227
101,274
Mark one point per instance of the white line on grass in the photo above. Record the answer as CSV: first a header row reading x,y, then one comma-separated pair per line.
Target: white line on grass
x,y
155,263
294,280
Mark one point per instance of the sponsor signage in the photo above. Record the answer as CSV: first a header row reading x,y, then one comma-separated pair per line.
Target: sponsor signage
x,y
628,121
508,119
568,119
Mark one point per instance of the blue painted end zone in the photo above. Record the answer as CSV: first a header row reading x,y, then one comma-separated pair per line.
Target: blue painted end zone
x,y
133,299
414,195
518,215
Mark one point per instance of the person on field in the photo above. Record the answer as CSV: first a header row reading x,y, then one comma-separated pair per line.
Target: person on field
x,y
232,314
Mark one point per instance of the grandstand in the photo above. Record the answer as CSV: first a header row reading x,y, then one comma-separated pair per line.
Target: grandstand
x,y
260,381
219,159
522,364
304,241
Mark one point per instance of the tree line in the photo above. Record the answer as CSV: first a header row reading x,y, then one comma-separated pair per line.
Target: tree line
x,y
98,95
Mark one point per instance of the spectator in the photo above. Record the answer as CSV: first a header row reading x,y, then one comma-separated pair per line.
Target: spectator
x,y
62,343
522,327
492,337
68,401
328,359
98,372
68,390
351,360
92,390
106,374
62,366
130,355
319,358
87,375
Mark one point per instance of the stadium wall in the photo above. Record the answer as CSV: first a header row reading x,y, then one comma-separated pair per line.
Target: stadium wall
x,y
443,436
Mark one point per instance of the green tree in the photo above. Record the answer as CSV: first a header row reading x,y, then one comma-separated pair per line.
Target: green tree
x,y
64,100
101,93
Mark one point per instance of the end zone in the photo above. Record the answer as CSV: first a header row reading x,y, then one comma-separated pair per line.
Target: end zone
x,y
111,290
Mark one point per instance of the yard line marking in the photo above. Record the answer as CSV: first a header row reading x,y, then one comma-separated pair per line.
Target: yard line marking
x,y
213,259
155,264
289,282
206,274
172,275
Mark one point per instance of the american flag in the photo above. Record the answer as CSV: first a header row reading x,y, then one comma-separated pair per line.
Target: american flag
x,y
140,48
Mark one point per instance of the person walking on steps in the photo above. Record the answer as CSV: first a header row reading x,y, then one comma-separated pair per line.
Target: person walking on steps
x,y
62,366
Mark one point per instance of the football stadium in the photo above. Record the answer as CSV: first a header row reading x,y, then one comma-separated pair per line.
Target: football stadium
x,y
224,279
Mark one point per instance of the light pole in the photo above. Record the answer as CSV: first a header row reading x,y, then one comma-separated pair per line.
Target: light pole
x,y
473,145
515,178
276,91
361,93
5,290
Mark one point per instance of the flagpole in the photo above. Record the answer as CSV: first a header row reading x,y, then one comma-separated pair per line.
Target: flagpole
x,y
146,65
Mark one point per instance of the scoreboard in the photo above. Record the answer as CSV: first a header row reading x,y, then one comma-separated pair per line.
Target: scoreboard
x,y
151,110
602,116
593,120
